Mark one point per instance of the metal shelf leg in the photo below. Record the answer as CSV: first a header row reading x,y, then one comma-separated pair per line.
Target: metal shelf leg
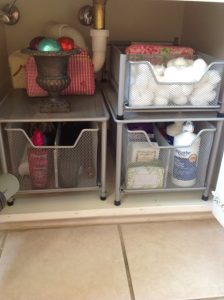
x,y
118,165
212,161
103,159
2,152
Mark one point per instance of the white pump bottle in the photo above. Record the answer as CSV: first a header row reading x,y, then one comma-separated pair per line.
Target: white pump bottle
x,y
186,157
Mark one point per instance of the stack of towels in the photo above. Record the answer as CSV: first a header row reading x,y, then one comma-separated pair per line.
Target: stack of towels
x,y
182,82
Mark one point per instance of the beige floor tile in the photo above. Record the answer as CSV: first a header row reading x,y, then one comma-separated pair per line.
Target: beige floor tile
x,y
83,263
175,260
2,234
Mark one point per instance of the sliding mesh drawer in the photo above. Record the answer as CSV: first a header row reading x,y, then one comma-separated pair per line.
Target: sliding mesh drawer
x,y
150,165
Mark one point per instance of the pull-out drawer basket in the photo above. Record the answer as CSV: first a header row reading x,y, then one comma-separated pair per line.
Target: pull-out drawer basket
x,y
146,89
150,165
55,167
154,82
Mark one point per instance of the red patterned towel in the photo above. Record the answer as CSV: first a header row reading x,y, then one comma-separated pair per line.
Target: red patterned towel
x,y
139,48
80,70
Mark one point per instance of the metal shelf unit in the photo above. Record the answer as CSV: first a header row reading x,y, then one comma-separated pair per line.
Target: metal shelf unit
x,y
18,111
114,94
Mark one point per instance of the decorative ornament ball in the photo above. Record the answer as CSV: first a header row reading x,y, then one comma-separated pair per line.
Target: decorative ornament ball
x,y
49,45
66,43
34,43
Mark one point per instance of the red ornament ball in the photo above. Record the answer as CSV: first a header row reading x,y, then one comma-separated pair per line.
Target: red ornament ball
x,y
34,43
66,43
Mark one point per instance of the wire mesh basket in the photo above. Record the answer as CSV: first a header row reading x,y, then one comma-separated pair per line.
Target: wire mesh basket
x,y
53,167
158,81
149,165
77,163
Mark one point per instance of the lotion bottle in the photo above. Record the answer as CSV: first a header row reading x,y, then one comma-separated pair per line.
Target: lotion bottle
x,y
185,160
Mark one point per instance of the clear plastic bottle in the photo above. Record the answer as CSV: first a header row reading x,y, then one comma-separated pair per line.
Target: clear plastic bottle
x,y
185,160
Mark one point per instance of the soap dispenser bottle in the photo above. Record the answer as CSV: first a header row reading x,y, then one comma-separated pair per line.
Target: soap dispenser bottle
x,y
185,162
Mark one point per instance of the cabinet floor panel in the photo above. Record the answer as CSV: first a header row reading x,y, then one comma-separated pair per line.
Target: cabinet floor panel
x,y
85,208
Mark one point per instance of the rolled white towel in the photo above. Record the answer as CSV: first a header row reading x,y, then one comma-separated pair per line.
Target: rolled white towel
x,y
153,85
133,95
179,74
202,100
176,90
161,79
162,91
171,63
199,67
133,73
182,100
161,101
204,80
142,80
186,74
171,74
132,79
158,70
204,89
180,62
187,89
146,99
134,69
142,68
214,77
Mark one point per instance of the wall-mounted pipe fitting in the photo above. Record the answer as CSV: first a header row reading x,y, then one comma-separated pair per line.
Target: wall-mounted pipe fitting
x,y
99,14
10,14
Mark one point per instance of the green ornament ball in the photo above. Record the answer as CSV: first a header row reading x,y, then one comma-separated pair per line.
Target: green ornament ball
x,y
49,45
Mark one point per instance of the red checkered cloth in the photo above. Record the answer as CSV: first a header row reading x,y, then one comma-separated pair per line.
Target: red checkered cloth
x,y
151,49
80,71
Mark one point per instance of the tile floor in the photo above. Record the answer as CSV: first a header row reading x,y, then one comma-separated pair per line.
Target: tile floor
x,y
152,261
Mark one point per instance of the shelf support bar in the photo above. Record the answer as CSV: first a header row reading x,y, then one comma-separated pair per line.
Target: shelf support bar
x,y
212,161
103,159
2,152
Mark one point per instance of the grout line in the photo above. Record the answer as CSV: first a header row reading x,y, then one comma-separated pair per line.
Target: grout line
x,y
212,298
3,244
127,269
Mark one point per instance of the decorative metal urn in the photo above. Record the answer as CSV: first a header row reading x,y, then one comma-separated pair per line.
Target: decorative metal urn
x,y
52,77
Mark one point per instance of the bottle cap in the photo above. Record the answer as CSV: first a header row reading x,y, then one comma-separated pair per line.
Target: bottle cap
x,y
188,126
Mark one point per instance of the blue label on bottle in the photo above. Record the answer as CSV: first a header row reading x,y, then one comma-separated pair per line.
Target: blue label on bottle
x,y
185,168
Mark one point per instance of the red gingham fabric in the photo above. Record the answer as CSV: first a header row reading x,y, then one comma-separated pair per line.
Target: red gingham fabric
x,y
80,70
139,48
